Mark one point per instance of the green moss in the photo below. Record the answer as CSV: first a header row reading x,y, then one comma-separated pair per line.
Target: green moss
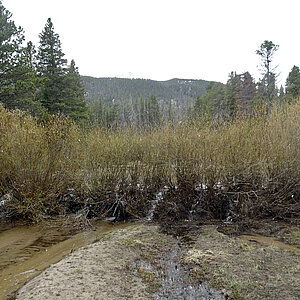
x,y
153,283
79,271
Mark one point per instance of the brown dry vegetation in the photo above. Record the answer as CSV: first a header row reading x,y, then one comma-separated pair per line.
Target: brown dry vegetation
x,y
244,269
249,165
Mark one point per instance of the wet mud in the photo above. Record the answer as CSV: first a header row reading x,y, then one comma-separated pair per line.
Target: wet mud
x,y
173,280
269,241
193,261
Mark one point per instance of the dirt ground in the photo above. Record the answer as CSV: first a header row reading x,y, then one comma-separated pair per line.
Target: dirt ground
x,y
100,270
247,267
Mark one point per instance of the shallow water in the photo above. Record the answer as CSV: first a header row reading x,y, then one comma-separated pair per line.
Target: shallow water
x,y
175,280
25,251
176,283
269,241
159,196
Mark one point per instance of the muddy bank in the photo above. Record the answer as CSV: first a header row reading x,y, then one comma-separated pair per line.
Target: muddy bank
x,y
98,271
25,251
140,262
137,262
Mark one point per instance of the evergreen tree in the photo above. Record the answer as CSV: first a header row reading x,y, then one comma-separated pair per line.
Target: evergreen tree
x,y
30,83
293,83
142,112
213,104
154,117
52,69
62,90
281,91
170,116
282,96
127,118
232,94
247,92
104,114
95,111
223,101
73,102
11,39
112,119
267,85
17,76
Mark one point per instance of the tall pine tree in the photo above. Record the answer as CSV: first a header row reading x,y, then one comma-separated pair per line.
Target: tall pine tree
x,y
73,100
212,105
51,67
267,85
62,90
17,77
232,94
293,83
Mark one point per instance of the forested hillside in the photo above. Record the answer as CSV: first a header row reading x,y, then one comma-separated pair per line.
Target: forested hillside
x,y
139,102
124,88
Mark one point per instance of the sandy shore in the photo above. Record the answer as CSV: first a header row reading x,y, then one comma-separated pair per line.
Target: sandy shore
x,y
97,271
242,269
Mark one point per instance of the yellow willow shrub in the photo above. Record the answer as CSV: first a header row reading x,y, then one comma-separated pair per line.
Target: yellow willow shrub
x,y
40,161
37,161
282,142
115,157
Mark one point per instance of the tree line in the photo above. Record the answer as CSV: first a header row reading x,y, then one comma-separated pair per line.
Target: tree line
x,y
38,80
134,88
141,112
242,95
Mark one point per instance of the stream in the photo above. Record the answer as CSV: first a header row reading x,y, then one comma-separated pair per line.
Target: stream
x,y
25,251
175,282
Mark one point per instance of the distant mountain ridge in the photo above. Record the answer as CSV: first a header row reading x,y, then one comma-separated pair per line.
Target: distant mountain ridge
x,y
109,88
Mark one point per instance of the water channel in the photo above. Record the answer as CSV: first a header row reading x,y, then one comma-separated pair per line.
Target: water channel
x,y
25,251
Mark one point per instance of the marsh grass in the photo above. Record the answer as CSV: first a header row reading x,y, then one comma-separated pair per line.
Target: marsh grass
x,y
250,166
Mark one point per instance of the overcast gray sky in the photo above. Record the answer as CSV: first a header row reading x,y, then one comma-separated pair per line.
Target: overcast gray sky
x,y
164,39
